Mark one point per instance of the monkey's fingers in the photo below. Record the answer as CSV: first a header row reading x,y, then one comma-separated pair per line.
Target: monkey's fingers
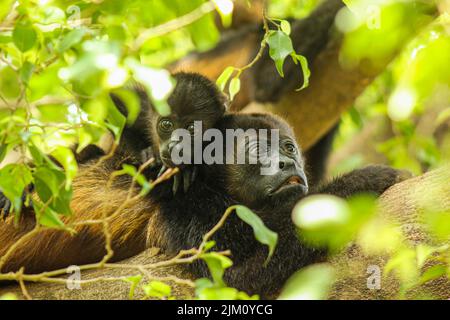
x,y
163,169
146,155
194,174
187,176
176,183
2,200
6,208
2,204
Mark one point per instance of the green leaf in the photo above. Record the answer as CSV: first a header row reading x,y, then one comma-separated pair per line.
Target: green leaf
x,y
280,46
157,289
46,216
24,36
217,265
209,245
310,283
285,27
26,71
5,8
134,280
3,150
225,10
262,233
13,180
5,39
71,39
235,87
305,69
49,184
66,158
224,77
214,293
433,272
203,283
9,83
423,252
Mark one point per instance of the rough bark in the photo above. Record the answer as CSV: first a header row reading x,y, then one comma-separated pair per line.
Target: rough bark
x,y
401,203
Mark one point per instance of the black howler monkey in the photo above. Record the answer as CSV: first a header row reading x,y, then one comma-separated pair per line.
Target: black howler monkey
x,y
179,222
187,217
194,98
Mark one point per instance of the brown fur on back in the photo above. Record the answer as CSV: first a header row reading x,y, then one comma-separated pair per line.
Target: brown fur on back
x,y
52,249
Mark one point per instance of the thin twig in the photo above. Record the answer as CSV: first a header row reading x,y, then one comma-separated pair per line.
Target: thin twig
x,y
174,24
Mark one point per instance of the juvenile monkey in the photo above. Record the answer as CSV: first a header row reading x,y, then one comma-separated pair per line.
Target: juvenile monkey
x,y
194,98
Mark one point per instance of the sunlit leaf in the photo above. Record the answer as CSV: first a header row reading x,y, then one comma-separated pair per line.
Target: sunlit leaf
x,y
285,27
310,283
157,289
280,47
24,36
46,216
13,180
134,280
225,9
235,87
26,71
217,265
433,272
222,81
71,39
305,69
66,158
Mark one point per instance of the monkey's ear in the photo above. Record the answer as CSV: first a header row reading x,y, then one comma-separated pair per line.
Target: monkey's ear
x,y
146,106
120,105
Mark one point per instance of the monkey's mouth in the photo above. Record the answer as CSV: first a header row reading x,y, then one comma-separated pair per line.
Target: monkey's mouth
x,y
292,181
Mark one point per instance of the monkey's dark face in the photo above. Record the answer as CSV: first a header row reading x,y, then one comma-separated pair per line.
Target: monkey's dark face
x,y
255,187
195,98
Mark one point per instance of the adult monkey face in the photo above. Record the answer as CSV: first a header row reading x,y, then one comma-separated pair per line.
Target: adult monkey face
x,y
245,182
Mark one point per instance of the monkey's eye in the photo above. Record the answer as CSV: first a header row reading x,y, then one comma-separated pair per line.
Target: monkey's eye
x,y
191,128
166,125
290,148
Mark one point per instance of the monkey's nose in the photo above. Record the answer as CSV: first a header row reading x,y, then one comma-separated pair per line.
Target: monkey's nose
x,y
170,146
286,164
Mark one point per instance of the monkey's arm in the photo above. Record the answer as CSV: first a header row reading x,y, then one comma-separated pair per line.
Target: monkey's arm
x,y
372,179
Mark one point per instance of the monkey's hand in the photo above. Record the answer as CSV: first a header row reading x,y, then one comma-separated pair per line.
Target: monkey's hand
x,y
152,166
375,179
6,205
185,177
147,154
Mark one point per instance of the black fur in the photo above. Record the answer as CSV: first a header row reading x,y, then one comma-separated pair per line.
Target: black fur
x,y
187,217
194,98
